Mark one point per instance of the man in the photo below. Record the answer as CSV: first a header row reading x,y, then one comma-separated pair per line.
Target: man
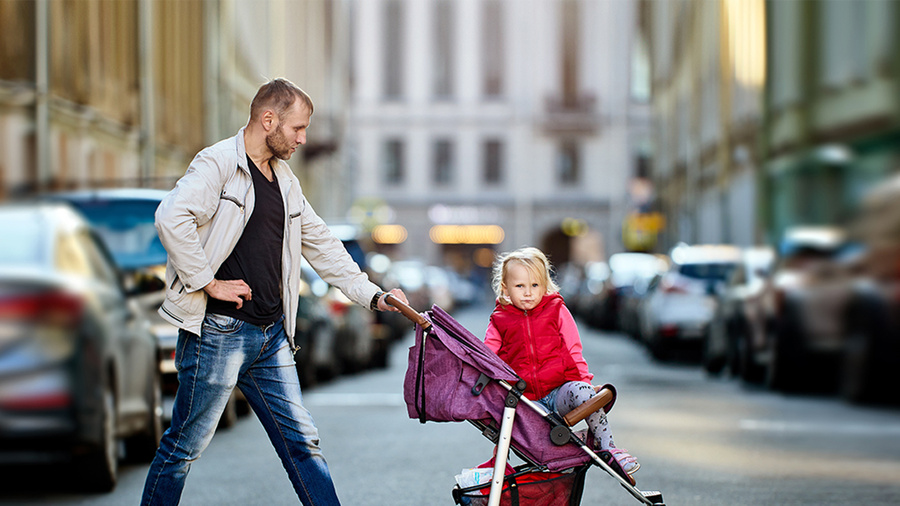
x,y
235,226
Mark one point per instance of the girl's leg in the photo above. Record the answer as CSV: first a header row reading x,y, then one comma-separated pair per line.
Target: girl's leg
x,y
575,393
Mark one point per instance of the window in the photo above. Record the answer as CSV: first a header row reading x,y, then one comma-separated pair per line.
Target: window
x,y
392,161
393,49
567,163
571,35
492,160
492,48
444,55
443,162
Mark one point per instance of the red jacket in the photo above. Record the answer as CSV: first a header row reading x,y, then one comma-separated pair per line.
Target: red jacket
x,y
538,344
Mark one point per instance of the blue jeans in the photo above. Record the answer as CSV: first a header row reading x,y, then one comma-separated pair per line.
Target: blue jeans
x,y
259,361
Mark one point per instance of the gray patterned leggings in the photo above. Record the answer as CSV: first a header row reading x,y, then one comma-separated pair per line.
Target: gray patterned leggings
x,y
572,394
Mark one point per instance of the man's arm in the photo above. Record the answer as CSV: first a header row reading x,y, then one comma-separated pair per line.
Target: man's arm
x,y
192,202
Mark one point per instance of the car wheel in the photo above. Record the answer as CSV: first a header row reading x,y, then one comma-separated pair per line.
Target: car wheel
x,y
142,447
99,468
713,364
857,384
785,357
659,348
745,363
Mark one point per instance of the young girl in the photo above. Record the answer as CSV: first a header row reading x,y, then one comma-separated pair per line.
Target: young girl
x,y
532,330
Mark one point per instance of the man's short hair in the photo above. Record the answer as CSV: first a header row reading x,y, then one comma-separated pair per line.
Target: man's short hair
x,y
278,95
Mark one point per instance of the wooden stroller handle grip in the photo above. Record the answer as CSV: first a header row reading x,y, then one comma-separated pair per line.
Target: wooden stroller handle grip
x,y
603,397
407,311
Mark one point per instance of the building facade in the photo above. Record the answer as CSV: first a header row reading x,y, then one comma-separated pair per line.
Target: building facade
x,y
485,125
769,115
97,93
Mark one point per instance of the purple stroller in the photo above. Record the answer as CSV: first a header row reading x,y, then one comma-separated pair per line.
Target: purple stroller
x,y
453,377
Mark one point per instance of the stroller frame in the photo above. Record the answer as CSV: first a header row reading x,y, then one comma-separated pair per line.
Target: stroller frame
x,y
560,434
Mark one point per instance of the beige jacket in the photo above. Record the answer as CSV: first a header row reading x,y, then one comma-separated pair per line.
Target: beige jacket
x,y
202,218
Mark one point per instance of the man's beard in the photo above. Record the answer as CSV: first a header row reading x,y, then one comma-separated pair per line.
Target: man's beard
x,y
279,145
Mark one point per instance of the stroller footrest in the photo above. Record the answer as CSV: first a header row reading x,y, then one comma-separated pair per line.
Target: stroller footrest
x,y
601,400
653,496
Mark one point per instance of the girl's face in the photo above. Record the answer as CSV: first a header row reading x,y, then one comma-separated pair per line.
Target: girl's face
x,y
524,290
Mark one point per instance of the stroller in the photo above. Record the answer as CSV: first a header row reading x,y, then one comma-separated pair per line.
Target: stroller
x,y
453,377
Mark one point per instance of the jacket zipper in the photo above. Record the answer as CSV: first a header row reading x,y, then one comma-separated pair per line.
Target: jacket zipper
x,y
179,320
538,387
234,200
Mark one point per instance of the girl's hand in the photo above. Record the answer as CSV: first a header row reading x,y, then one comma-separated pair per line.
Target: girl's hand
x,y
597,388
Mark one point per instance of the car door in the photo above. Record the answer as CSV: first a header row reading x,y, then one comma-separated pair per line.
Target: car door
x,y
128,350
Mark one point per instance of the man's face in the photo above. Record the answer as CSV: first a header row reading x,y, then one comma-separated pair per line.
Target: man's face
x,y
290,132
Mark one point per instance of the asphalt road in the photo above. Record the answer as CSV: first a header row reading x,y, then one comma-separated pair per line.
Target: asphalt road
x,y
700,440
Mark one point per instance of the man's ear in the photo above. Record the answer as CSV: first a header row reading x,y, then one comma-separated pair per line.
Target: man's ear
x,y
268,120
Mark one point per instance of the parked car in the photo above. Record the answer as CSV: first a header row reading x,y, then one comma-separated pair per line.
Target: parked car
x,y
739,311
78,364
125,219
316,357
680,304
410,276
871,355
630,276
596,301
813,287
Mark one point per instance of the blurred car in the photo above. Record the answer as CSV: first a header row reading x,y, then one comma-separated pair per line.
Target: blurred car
x,y
630,277
360,340
410,276
740,304
438,281
463,290
871,355
597,301
316,357
680,303
78,364
812,289
125,219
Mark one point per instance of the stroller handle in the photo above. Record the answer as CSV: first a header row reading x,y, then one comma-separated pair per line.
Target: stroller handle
x,y
407,311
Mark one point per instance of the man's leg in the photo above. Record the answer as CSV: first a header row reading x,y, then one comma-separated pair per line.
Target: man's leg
x,y
272,388
208,368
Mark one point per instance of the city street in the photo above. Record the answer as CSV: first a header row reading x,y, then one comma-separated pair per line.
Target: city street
x,y
700,440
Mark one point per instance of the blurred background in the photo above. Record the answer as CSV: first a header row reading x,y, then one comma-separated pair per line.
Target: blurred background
x,y
716,177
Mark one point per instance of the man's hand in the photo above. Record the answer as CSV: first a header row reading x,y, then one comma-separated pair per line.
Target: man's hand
x,y
232,290
396,292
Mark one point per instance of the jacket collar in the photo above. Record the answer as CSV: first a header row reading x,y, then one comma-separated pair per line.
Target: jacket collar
x,y
540,307
281,168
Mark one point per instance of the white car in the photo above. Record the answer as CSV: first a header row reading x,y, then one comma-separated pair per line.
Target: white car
x,y
680,303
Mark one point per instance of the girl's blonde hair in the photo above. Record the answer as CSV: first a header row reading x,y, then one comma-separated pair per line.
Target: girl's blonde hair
x,y
532,259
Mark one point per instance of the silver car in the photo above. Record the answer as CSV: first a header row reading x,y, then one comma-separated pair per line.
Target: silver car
x,y
78,364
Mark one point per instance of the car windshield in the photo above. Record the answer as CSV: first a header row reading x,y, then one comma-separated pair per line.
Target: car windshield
x,y
718,271
127,227
23,241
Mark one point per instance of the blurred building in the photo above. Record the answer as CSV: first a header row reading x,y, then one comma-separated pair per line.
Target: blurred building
x,y
708,69
97,93
484,125
769,114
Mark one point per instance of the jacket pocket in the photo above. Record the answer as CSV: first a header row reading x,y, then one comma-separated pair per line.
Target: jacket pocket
x,y
233,199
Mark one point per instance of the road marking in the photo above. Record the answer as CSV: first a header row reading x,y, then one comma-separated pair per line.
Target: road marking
x,y
864,429
354,399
